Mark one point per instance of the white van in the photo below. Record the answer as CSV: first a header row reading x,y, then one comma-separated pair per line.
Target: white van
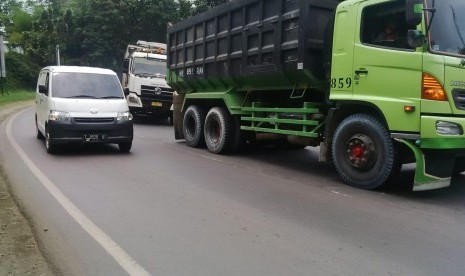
x,y
82,105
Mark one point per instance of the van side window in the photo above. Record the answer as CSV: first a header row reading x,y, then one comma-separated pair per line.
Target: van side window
x,y
46,83
44,80
384,25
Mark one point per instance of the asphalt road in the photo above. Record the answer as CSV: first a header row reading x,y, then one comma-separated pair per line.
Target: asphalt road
x,y
166,209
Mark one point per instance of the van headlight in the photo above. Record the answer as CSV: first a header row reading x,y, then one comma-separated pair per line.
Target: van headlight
x,y
124,116
448,128
58,116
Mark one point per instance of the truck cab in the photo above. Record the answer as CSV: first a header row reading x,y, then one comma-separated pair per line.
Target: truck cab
x,y
414,82
144,80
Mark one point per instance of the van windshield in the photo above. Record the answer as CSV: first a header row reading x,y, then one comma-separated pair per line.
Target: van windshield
x,y
86,85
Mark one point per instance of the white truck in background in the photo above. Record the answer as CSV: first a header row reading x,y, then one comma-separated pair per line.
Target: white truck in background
x,y
143,80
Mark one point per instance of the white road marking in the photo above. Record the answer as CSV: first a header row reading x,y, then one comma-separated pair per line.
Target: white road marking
x,y
120,256
339,193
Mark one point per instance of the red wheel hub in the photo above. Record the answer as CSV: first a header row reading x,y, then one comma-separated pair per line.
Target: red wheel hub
x,y
358,151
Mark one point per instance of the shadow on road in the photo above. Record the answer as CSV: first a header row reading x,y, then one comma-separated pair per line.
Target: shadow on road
x,y
151,120
305,161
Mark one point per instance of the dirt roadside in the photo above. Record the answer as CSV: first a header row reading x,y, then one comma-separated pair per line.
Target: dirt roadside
x,y
19,253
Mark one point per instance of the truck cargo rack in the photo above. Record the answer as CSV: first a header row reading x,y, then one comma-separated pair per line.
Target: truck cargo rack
x,y
270,119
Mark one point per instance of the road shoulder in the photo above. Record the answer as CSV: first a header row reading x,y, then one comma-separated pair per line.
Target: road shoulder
x,y
19,252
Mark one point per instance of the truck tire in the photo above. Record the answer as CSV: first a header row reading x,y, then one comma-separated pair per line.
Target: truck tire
x,y
219,130
193,124
364,153
239,138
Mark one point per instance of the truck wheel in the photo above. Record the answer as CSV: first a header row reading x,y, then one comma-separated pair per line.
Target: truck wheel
x,y
364,153
39,134
193,123
219,130
125,147
49,145
239,139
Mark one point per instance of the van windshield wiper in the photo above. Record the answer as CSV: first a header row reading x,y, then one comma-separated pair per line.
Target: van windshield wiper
x,y
81,96
111,97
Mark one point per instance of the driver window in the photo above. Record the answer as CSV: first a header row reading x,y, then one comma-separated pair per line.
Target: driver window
x,y
384,25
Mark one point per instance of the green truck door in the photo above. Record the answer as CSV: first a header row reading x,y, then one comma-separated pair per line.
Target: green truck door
x,y
387,73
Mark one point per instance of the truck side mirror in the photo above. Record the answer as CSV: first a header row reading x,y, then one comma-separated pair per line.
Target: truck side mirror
x,y
42,89
415,38
126,66
414,12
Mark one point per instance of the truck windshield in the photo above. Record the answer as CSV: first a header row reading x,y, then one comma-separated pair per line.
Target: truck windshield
x,y
86,85
447,30
150,67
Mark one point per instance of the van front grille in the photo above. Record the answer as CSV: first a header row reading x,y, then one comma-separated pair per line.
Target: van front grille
x,y
94,120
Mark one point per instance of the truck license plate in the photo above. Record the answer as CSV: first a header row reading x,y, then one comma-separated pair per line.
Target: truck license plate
x,y
94,137
156,104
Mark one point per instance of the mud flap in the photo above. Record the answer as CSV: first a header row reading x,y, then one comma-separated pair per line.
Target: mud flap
x,y
178,116
427,165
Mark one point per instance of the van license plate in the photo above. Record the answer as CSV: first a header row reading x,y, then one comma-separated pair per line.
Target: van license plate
x,y
94,137
156,104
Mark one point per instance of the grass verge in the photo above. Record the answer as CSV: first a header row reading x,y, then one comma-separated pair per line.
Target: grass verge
x,y
15,96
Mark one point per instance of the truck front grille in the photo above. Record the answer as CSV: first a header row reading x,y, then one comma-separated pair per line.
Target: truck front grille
x,y
157,93
459,98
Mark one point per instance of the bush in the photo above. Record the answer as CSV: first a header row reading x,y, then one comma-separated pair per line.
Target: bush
x,y
21,73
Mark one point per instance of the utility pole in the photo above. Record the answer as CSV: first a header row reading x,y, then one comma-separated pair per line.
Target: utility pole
x,y
2,62
58,54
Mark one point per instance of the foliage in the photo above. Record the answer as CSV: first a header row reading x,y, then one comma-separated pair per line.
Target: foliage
x,y
16,95
21,71
88,32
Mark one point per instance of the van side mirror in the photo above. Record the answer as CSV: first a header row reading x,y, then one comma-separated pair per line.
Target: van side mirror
x,y
414,12
415,38
126,91
126,66
42,89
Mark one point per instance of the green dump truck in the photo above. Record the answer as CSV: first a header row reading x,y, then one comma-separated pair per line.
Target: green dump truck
x,y
374,83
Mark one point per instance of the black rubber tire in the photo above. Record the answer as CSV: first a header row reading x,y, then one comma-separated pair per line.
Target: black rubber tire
x,y
381,160
170,119
125,147
239,137
219,130
49,145
193,126
459,166
39,134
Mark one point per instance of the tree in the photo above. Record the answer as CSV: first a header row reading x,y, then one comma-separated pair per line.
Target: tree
x,y
204,5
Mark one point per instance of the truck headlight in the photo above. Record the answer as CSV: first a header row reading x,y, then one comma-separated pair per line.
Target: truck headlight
x,y
58,116
448,128
124,116
133,99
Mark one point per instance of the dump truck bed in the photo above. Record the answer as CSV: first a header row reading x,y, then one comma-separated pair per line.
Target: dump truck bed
x,y
278,43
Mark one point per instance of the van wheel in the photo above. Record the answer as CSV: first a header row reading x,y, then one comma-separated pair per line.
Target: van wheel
x,y
219,130
364,153
39,134
193,124
459,166
49,145
125,147
170,119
